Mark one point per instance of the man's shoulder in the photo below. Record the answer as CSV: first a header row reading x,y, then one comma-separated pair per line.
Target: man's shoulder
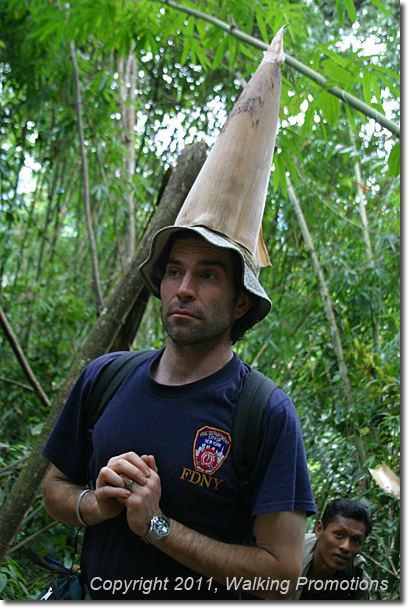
x,y
310,544
278,398
101,362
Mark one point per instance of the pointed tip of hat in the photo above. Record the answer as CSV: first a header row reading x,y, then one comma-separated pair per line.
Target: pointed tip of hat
x,y
275,53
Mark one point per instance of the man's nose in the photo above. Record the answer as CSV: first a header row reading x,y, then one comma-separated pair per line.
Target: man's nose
x,y
345,545
186,288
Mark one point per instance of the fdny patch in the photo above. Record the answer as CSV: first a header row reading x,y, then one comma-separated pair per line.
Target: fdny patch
x,y
211,448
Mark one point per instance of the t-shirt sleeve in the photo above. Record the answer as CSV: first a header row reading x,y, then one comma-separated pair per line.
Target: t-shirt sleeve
x,y
66,446
280,479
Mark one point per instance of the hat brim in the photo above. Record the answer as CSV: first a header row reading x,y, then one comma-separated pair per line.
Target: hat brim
x,y
262,303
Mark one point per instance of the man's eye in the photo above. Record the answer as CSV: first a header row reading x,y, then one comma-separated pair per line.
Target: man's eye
x,y
172,272
208,275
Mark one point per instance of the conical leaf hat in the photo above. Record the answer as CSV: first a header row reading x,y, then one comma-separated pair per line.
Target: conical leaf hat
x,y
227,200
229,193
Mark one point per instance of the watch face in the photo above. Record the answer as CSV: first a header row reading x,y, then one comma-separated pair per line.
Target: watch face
x,y
161,525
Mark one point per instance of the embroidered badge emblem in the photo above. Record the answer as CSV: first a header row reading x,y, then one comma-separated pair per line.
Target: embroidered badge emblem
x,y
211,448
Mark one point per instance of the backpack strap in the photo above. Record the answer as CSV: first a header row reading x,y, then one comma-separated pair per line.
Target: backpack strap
x,y
104,389
109,382
246,430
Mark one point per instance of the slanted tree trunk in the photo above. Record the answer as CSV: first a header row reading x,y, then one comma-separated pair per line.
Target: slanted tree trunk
x,y
102,336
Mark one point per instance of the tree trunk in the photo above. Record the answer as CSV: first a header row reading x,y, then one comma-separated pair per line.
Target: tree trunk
x,y
100,340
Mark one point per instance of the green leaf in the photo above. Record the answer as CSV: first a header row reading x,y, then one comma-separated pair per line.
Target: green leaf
x,y
349,116
308,122
260,18
394,160
351,10
375,86
185,52
366,84
220,52
337,73
379,5
233,49
3,581
340,12
330,106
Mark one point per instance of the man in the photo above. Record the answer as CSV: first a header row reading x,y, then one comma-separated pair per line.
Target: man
x,y
164,515
332,565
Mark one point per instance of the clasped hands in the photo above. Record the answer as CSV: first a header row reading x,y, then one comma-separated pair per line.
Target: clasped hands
x,y
113,490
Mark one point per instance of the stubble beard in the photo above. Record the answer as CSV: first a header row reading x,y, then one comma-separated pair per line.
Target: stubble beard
x,y
201,333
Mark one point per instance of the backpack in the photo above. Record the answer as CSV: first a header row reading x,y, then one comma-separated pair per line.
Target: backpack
x,y
246,426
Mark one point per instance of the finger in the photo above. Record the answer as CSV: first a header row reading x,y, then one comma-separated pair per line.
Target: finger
x,y
125,470
130,463
108,476
129,481
150,462
108,492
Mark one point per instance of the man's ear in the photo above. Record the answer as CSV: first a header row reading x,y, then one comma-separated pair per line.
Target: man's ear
x,y
243,304
319,529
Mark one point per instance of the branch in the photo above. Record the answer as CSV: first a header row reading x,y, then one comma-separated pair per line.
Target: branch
x,y
8,331
320,80
13,465
21,385
84,164
30,538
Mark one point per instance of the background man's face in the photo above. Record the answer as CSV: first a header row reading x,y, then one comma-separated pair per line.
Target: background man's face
x,y
340,542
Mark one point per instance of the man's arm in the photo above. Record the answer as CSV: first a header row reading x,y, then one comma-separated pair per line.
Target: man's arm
x,y
61,494
278,554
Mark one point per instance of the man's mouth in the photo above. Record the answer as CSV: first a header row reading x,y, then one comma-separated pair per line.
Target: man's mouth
x,y
341,558
183,313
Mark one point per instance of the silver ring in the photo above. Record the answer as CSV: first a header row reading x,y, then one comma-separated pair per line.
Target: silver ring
x,y
129,483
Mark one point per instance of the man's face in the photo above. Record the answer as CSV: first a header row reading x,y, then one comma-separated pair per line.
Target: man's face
x,y
198,300
339,543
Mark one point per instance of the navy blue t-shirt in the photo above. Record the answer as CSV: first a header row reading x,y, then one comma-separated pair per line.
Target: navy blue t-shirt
x,y
188,430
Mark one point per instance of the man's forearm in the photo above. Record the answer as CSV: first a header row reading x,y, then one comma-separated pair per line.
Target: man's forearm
x,y
63,503
234,566
60,502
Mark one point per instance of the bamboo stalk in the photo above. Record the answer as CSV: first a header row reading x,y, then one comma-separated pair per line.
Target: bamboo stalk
x,y
84,165
366,233
320,80
334,331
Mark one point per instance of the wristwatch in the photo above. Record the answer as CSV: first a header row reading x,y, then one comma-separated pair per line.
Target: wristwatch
x,y
160,527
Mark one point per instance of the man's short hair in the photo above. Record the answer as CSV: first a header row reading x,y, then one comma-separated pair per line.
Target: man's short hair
x,y
350,510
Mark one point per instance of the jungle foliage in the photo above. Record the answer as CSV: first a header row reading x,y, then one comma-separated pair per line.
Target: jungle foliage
x,y
148,78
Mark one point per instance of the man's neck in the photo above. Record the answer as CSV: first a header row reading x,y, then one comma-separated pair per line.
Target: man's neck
x,y
318,569
180,365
